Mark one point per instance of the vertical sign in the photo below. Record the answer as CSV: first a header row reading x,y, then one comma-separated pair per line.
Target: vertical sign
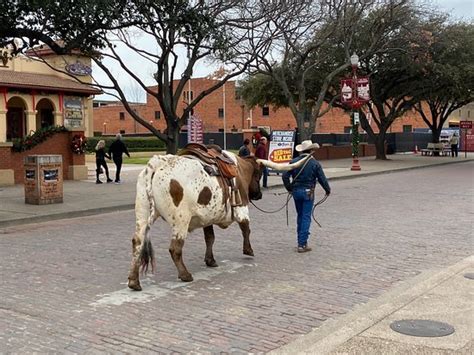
x,y
195,130
72,112
281,146
467,139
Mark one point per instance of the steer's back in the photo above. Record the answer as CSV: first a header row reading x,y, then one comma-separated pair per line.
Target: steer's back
x,y
179,190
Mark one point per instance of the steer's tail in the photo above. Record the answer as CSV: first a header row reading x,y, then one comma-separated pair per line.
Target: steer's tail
x,y
145,203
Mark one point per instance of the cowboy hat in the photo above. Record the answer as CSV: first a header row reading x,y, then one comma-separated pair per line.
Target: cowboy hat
x,y
306,145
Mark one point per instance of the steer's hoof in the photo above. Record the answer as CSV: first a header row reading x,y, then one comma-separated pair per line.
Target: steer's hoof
x,y
186,277
134,285
211,263
248,252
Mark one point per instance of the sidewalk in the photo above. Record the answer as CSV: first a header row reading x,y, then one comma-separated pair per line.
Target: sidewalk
x,y
442,296
82,198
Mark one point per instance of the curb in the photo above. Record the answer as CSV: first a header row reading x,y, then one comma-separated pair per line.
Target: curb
x,y
96,211
65,215
335,332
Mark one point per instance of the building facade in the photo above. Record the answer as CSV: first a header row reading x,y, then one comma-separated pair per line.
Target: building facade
x,y
33,95
224,109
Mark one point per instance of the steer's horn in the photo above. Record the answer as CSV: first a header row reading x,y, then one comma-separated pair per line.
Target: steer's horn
x,y
282,166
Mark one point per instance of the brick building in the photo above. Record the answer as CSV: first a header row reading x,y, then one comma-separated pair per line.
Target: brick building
x,y
224,105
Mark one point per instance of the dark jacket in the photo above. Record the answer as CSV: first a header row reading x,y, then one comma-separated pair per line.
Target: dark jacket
x,y
117,148
244,151
101,154
261,151
311,174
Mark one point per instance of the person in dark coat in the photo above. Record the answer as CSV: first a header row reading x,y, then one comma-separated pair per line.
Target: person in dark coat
x,y
262,153
244,150
100,163
303,182
116,150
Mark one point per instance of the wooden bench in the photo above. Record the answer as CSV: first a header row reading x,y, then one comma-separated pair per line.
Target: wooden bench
x,y
433,148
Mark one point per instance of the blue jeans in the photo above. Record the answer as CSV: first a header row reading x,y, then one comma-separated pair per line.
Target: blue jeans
x,y
265,176
304,205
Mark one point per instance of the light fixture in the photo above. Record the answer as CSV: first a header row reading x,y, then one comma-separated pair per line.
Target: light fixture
x,y
355,60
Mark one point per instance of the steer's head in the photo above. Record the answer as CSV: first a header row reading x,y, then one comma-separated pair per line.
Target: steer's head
x,y
254,187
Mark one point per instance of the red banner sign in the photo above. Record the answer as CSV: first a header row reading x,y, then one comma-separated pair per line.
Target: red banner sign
x,y
363,91
465,124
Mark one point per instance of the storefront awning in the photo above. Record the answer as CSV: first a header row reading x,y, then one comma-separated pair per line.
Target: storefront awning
x,y
34,81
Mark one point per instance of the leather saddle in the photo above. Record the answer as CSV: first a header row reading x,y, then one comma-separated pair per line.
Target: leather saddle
x,y
211,155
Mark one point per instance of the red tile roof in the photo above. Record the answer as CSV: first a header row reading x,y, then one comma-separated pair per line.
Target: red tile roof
x,y
13,79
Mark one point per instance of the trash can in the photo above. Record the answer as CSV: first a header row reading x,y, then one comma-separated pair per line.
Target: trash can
x,y
43,179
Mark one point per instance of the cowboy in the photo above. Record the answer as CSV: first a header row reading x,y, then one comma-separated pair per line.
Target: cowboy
x,y
303,182
262,153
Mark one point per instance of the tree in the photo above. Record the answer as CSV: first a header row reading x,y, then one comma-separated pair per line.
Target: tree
x,y
305,41
180,31
447,70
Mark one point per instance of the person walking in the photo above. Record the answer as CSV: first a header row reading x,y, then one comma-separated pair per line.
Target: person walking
x,y
244,150
261,153
300,182
454,141
100,163
116,150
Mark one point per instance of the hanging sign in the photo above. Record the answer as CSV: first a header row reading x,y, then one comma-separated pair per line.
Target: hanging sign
x,y
346,91
363,89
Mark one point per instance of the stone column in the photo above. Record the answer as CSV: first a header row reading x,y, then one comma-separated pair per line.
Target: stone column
x,y
30,121
58,118
3,126
78,168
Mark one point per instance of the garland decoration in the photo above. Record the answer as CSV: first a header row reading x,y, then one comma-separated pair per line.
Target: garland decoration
x,y
32,140
79,144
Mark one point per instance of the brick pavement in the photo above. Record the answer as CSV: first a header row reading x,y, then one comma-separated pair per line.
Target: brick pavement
x,y
58,279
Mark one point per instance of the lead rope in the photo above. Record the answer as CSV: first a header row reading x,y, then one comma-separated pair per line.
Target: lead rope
x,y
320,202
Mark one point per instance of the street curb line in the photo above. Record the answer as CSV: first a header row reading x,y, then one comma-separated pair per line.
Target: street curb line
x,y
65,215
335,332
96,211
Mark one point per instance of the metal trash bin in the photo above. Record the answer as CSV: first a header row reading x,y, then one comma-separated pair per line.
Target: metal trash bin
x,y
43,179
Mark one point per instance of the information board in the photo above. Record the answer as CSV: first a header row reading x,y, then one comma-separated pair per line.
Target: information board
x,y
281,146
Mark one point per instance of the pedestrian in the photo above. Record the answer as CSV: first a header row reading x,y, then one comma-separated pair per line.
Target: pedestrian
x,y
261,153
454,145
116,150
303,182
100,163
244,150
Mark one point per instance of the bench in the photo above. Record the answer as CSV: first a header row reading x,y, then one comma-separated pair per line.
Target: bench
x,y
433,148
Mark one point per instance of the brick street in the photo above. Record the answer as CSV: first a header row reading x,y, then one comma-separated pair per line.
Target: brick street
x,y
63,283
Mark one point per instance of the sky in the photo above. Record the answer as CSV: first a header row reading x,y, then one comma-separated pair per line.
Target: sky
x,y
459,9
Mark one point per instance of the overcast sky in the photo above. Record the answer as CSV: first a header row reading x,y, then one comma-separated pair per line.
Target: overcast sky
x,y
459,9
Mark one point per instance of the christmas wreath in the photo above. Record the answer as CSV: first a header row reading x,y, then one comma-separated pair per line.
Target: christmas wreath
x,y
78,144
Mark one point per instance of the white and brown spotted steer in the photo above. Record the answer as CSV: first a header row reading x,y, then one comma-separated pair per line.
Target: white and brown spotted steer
x,y
180,191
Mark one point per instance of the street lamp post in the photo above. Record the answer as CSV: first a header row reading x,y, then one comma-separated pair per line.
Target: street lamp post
x,y
355,104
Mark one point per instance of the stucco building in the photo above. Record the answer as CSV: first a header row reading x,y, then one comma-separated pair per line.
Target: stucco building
x,y
34,95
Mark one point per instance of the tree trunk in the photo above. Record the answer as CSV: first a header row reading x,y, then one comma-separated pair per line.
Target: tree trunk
x,y
380,146
305,124
173,139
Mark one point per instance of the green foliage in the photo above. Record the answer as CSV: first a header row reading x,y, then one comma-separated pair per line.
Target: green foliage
x,y
32,140
134,144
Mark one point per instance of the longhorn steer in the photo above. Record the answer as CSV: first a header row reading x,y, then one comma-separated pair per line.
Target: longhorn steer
x,y
179,190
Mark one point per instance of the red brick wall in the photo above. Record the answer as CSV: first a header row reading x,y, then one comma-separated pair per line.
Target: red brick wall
x,y
59,144
236,114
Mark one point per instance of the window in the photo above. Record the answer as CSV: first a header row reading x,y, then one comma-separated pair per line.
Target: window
x,y
407,128
122,116
186,96
157,115
122,131
220,113
265,111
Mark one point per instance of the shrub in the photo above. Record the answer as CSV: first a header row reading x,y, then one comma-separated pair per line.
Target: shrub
x,y
134,144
